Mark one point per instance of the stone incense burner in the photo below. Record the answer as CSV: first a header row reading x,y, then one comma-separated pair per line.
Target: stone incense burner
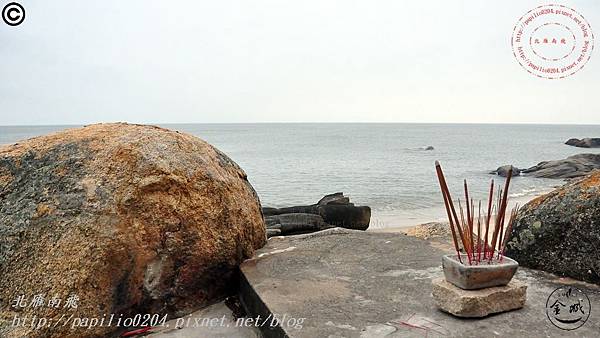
x,y
482,266
478,276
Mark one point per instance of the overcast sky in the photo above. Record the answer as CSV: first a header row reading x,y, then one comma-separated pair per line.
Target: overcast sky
x,y
77,62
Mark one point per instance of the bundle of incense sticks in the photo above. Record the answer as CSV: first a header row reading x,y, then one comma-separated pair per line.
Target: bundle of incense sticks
x,y
479,249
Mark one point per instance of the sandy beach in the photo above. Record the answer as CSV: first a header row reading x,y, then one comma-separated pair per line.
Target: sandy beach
x,y
384,223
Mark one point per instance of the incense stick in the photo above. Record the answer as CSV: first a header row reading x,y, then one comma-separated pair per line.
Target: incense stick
x,y
446,192
489,215
465,225
479,234
501,213
446,204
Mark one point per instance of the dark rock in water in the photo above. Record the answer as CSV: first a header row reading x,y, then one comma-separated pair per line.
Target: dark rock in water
x,y
503,171
331,210
291,224
270,221
429,148
337,198
584,143
273,232
129,218
304,209
573,166
560,232
299,228
296,218
267,211
346,216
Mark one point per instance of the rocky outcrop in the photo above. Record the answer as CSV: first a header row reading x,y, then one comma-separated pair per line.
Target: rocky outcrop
x,y
573,166
331,211
584,143
336,198
503,170
128,218
560,232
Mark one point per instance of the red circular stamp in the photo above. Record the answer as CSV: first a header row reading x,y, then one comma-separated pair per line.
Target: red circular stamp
x,y
552,41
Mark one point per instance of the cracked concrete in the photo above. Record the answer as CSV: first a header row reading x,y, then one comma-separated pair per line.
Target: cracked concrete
x,y
364,284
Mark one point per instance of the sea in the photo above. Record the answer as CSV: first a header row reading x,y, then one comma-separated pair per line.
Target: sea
x,y
385,166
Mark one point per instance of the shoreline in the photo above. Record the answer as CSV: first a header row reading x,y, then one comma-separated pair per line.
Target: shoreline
x,y
393,224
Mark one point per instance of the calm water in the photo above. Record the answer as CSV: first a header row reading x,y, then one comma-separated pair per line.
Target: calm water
x,y
380,165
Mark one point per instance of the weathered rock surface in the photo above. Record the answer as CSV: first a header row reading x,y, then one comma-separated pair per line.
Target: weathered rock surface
x,y
573,166
478,303
331,210
347,283
503,171
129,218
560,231
584,143
335,198
296,218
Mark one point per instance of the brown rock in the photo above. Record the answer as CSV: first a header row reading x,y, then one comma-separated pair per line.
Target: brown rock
x,y
478,303
130,218
559,232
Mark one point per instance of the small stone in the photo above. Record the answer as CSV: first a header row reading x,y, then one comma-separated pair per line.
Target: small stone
x,y
478,303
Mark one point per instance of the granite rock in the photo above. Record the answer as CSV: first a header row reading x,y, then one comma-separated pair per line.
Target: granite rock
x,y
481,302
571,167
503,171
129,218
560,232
584,143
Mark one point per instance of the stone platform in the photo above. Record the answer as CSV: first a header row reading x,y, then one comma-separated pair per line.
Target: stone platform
x,y
344,283
478,303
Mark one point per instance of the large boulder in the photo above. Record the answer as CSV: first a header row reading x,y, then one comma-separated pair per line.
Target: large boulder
x,y
571,167
128,218
560,232
584,143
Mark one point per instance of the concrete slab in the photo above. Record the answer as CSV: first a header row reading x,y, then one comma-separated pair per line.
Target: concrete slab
x,y
215,321
343,283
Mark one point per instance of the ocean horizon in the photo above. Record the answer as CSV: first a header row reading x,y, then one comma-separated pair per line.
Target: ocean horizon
x,y
383,165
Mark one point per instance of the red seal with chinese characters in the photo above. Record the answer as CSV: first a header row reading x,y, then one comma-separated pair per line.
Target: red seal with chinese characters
x,y
552,41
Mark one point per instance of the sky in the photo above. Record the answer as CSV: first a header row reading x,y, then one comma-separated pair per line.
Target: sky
x,y
146,61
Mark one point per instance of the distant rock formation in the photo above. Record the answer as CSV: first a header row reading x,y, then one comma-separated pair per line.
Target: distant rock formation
x,y
584,143
128,218
571,167
334,210
429,148
560,232
503,171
